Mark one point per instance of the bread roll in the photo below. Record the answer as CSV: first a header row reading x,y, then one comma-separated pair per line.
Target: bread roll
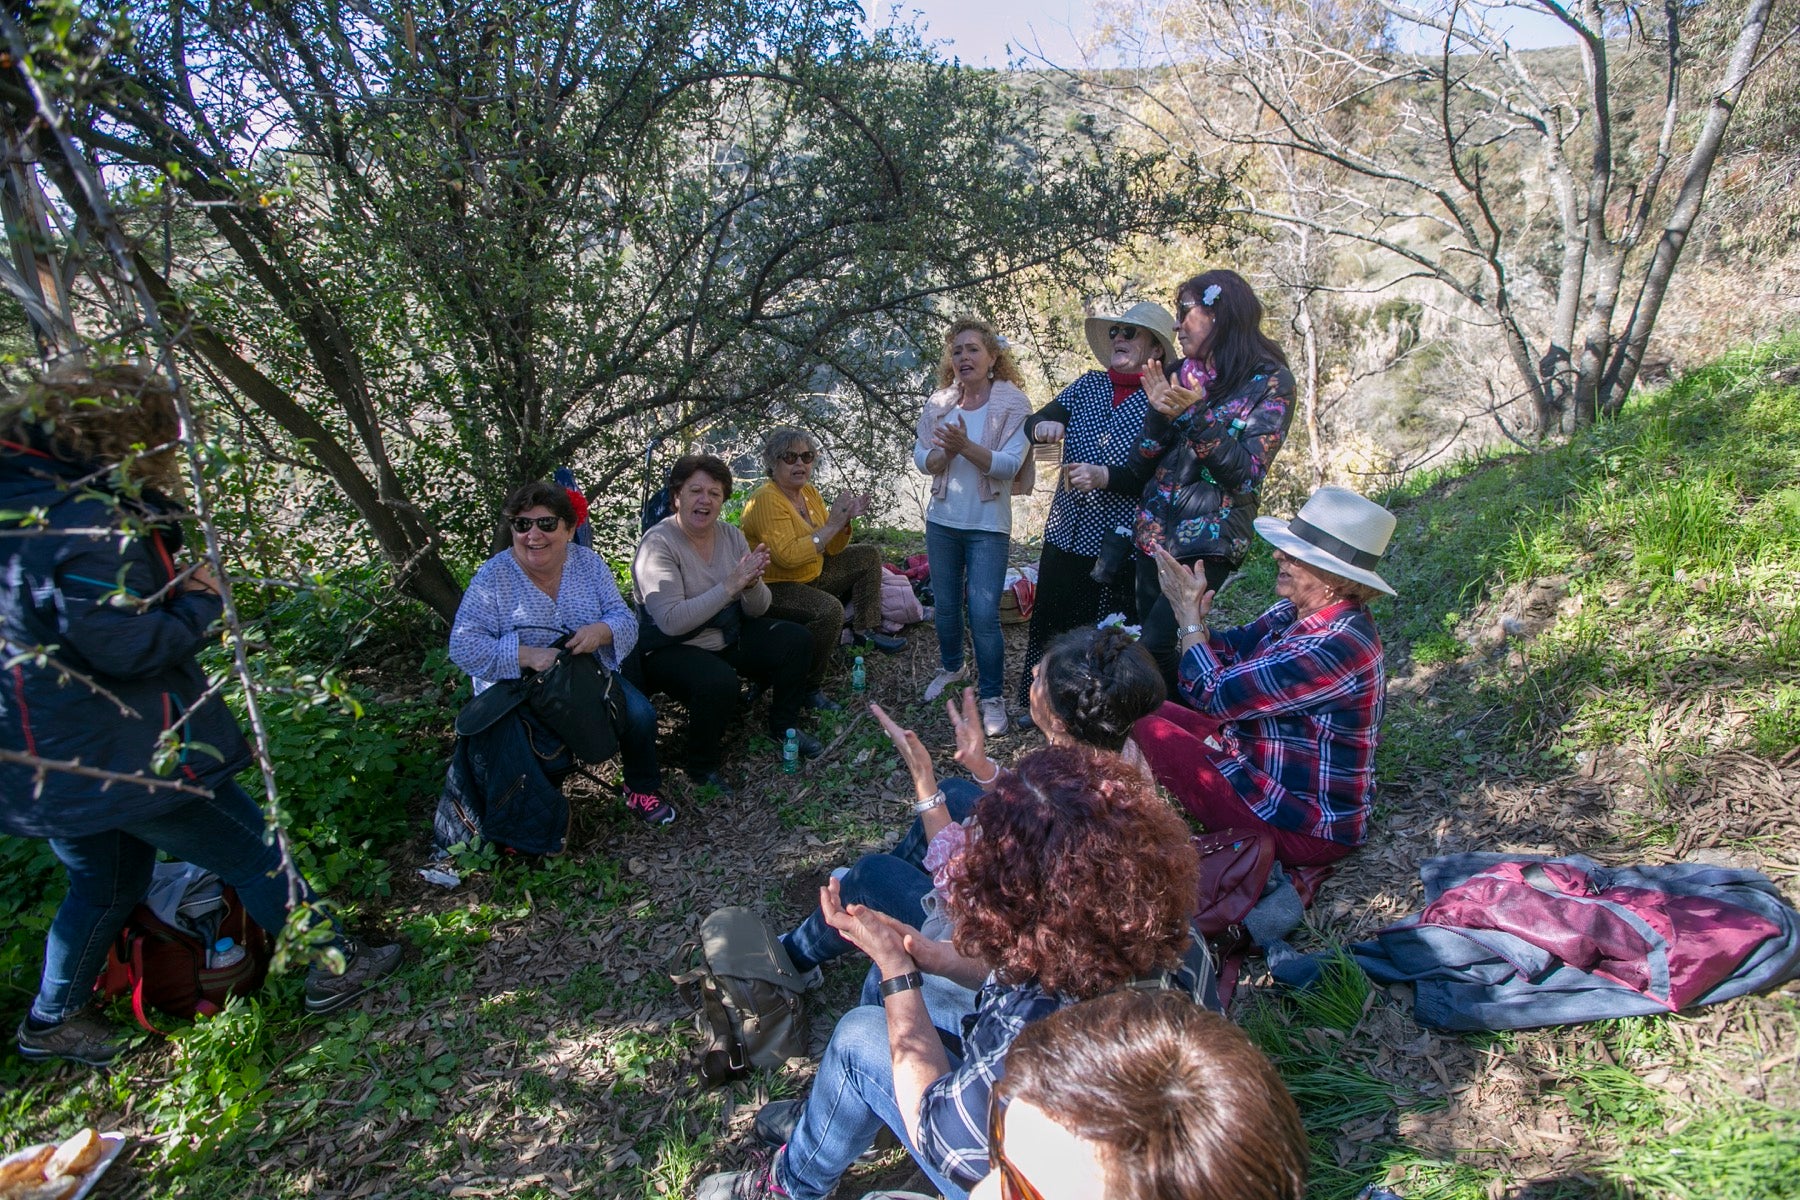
x,y
76,1156
25,1167
60,1188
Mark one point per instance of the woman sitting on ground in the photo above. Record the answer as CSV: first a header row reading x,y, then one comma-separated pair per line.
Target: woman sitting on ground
x,y
1088,690
1142,1096
542,589
700,586
814,567
971,441
1286,711
1078,880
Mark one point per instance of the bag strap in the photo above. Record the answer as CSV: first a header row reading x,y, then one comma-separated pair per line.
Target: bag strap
x,y
138,1009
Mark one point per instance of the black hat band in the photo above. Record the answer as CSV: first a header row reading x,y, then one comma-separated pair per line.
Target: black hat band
x,y
1337,547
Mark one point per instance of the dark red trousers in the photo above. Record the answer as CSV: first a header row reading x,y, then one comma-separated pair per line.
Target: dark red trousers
x,y
1173,739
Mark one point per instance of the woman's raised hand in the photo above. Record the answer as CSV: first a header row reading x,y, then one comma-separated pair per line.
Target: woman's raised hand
x,y
876,934
1187,591
844,508
1168,398
971,738
1048,433
912,753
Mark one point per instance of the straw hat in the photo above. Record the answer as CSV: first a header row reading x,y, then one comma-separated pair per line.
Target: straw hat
x,y
1337,531
1146,315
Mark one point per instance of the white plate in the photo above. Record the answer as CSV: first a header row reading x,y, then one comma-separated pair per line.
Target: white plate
x,y
110,1146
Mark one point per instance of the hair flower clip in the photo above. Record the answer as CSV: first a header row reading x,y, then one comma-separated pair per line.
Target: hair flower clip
x,y
1211,295
1000,341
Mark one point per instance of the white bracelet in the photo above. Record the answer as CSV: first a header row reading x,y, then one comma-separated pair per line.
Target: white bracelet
x,y
990,778
935,800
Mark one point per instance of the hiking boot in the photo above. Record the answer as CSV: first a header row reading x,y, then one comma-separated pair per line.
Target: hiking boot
x,y
993,716
944,679
363,965
82,1038
652,808
810,746
757,1183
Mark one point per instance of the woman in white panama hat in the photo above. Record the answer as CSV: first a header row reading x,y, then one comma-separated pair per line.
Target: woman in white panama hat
x,y
1285,711
1084,569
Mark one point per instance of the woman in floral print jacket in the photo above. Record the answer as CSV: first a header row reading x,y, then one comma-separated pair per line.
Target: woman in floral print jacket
x,y
1207,442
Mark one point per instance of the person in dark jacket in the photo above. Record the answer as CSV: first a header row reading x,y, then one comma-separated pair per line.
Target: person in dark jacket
x,y
1211,433
111,745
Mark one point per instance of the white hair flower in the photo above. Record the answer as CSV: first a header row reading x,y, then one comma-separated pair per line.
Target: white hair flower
x,y
1211,295
1000,341
1117,621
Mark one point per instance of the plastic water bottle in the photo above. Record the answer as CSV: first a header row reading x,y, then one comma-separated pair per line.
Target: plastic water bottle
x,y
790,753
225,952
859,676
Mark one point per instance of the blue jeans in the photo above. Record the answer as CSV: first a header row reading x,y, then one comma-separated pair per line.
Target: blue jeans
x,y
109,873
637,742
971,561
852,1098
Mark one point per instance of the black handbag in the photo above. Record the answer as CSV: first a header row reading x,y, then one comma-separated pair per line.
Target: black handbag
x,y
580,701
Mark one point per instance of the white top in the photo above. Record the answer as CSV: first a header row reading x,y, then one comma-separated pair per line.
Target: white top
x,y
962,506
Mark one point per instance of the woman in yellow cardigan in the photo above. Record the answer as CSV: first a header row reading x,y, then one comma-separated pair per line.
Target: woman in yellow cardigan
x,y
813,566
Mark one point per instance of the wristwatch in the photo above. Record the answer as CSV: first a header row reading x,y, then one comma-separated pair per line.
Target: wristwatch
x,y
935,800
1187,629
901,983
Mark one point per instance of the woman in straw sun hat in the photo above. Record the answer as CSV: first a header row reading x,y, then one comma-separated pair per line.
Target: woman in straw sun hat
x,y
1084,570
1286,711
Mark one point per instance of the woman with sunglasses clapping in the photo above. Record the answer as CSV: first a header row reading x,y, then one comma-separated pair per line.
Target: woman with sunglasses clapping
x,y
971,441
540,589
1213,428
1084,569
814,567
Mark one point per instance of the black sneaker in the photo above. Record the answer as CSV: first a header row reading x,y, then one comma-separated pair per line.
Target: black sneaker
x,y
810,746
818,701
363,965
712,779
82,1038
887,643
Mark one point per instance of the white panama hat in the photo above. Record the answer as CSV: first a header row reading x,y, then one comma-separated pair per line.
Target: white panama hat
x,y
1146,315
1336,530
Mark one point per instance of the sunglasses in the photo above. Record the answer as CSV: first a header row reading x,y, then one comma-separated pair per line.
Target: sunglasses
x,y
1122,333
797,456
1013,1185
524,524
1184,308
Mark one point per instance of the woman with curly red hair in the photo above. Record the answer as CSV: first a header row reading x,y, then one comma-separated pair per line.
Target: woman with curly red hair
x,y
1077,879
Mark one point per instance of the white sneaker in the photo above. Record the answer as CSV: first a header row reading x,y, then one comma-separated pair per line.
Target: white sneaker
x,y
944,679
993,716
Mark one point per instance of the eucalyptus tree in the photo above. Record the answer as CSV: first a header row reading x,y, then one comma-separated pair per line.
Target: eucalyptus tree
x,y
449,247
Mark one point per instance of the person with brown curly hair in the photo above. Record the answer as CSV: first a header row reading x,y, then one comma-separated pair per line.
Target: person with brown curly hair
x,y
1142,1096
1078,879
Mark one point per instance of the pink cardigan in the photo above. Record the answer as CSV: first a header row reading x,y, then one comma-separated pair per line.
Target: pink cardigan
x,y
1007,409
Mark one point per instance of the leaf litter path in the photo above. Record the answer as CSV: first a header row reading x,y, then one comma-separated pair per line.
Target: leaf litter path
x,y
536,1048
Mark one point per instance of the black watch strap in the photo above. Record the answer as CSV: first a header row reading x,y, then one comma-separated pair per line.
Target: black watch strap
x,y
901,983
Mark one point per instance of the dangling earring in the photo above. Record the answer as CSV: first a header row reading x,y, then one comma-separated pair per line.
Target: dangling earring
x,y
990,372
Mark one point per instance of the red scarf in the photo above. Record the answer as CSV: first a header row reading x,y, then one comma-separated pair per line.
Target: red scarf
x,y
1123,384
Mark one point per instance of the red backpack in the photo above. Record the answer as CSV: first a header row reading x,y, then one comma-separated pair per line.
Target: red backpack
x,y
162,967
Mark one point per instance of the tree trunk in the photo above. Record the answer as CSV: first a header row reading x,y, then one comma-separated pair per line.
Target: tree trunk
x,y
1628,355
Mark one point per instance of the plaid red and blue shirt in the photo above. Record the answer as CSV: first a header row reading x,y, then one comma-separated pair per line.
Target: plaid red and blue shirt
x,y
1301,702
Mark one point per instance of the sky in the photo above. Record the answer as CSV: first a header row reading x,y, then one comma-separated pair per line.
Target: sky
x,y
978,31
